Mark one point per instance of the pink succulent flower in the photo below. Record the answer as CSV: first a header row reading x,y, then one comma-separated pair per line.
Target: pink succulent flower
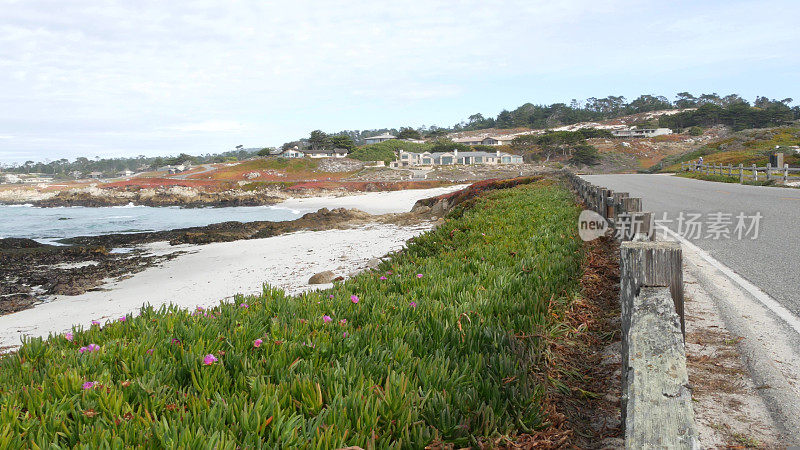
x,y
209,359
354,298
176,341
343,322
388,272
383,278
419,275
330,296
89,348
94,322
413,304
88,385
68,336
122,319
326,318
344,335
257,343
200,308
244,305
150,351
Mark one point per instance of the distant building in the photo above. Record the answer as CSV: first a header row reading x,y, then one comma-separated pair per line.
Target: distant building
x,y
640,132
96,175
455,157
379,138
486,140
327,153
125,173
292,153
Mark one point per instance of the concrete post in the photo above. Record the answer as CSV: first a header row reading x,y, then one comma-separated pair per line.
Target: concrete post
x,y
741,174
755,173
769,171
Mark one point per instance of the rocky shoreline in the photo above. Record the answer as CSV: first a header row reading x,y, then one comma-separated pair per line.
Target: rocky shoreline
x,y
32,272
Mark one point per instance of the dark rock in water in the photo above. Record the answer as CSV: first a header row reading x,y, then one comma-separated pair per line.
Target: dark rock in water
x,y
18,243
322,278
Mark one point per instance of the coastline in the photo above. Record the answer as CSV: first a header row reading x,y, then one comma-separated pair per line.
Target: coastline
x,y
200,266
207,274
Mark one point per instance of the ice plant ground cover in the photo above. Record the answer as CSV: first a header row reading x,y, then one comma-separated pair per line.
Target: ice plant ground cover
x,y
456,355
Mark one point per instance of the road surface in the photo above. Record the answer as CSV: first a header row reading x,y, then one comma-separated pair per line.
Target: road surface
x,y
771,261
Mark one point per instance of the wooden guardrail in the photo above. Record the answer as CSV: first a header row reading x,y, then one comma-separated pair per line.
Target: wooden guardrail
x,y
779,174
656,397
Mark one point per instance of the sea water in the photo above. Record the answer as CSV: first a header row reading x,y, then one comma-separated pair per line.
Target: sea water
x,y
50,224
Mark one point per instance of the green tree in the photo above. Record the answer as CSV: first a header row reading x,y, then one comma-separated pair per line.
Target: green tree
x,y
446,145
342,141
585,154
319,140
408,133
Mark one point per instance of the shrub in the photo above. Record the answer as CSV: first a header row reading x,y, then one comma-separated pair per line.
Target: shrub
x,y
389,358
386,151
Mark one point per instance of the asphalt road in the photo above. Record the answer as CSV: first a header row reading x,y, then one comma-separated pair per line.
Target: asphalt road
x,y
771,261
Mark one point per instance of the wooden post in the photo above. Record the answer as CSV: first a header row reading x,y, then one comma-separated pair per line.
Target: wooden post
x,y
785,173
769,171
652,264
741,174
730,170
755,173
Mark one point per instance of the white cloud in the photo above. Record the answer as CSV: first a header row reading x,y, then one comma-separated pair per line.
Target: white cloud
x,y
120,76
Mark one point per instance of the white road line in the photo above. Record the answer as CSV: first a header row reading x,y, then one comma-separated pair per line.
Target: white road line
x,y
787,316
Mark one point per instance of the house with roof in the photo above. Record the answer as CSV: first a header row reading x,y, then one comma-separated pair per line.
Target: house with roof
x,y
327,153
408,159
292,153
486,140
379,138
640,132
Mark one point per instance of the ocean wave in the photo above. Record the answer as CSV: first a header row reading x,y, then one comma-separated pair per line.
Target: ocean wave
x,y
26,205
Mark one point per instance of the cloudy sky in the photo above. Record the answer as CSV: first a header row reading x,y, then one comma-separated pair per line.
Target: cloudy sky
x,y
122,78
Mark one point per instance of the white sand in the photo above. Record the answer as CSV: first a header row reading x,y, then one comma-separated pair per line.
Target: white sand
x,y
210,273
371,202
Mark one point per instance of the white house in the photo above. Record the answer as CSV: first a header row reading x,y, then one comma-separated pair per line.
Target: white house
x,y
379,138
292,153
327,153
125,173
640,132
455,157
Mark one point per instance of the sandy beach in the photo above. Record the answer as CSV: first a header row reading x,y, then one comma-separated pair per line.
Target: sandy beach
x,y
204,275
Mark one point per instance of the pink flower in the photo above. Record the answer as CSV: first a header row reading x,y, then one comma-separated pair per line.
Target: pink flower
x,y
257,343
200,308
354,298
343,322
94,322
326,318
419,275
176,341
209,359
413,304
388,272
244,305
89,348
88,385
344,335
150,351
68,336
383,278
330,296
122,319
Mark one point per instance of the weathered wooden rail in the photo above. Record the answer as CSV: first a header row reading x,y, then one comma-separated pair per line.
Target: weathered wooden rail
x,y
656,397
778,174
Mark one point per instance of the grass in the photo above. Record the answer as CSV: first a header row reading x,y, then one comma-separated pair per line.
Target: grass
x,y
745,147
455,354
727,179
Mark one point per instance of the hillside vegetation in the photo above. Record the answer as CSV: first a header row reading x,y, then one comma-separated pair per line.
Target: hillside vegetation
x,y
444,343
745,147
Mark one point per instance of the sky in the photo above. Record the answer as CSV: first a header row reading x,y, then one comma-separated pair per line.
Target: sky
x,y
124,78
